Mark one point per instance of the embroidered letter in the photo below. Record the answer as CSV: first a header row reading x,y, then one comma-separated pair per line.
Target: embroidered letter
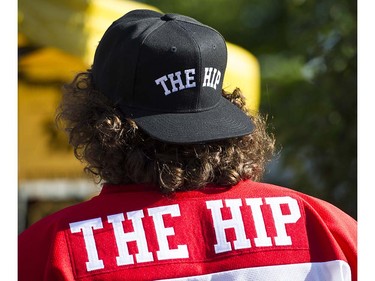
x,y
138,235
207,76
162,81
162,232
220,225
217,79
262,239
178,81
188,73
280,219
86,227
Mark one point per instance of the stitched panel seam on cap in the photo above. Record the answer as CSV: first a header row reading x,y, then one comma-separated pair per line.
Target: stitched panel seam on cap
x,y
199,61
206,26
151,30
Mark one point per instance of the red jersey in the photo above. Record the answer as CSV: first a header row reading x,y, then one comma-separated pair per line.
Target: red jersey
x,y
251,231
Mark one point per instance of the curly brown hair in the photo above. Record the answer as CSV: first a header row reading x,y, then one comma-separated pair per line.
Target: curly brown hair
x,y
116,151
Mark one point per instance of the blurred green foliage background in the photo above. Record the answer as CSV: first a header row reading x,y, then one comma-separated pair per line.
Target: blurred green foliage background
x,y
307,50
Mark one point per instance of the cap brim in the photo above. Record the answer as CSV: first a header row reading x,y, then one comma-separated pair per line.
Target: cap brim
x,y
222,122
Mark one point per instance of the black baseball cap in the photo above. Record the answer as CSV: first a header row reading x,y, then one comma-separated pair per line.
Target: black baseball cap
x,y
165,71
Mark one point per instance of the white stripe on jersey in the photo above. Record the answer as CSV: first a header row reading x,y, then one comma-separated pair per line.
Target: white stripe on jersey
x,y
336,270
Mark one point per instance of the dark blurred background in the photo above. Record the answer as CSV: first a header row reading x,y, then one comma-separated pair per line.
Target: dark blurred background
x,y
307,50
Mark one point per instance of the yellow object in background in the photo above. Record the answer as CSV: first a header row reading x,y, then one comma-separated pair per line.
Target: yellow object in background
x,y
243,71
73,26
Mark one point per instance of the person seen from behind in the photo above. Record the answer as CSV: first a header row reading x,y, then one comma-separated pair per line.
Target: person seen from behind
x,y
181,163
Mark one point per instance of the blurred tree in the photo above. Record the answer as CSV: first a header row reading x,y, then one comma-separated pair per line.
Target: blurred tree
x,y
308,56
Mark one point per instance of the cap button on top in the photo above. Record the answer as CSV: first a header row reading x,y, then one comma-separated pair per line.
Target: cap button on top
x,y
168,17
